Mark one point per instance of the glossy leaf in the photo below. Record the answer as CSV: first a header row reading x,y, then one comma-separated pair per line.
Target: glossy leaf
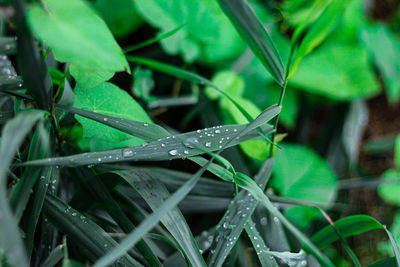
x,y
108,99
62,25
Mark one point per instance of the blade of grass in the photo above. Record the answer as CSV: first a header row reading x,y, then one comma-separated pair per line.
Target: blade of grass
x,y
85,233
174,147
245,182
37,80
13,134
55,256
153,219
152,40
235,218
247,24
259,245
154,193
100,193
349,226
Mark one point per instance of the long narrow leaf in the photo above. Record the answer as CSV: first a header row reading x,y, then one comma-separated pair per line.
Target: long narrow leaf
x,y
168,148
88,235
154,193
13,134
252,31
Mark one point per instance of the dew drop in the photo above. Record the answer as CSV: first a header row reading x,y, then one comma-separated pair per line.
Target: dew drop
x,y
225,225
162,145
73,214
186,152
217,131
173,152
145,124
208,144
105,119
127,153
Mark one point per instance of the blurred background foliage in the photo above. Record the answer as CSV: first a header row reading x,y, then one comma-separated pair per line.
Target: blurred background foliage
x,y
340,123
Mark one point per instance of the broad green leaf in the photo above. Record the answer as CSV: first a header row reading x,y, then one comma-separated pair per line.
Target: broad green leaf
x,y
253,32
154,193
300,173
227,81
85,233
13,134
390,192
206,35
384,46
338,71
121,16
387,262
108,99
78,36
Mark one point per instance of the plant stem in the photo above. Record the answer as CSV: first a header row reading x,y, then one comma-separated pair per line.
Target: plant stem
x,y
276,120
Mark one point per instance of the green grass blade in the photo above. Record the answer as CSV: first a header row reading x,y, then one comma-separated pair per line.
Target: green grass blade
x,y
253,32
150,221
38,148
152,40
237,215
35,209
168,148
350,226
387,262
150,132
101,194
85,233
13,134
245,182
37,80
55,256
154,193
259,245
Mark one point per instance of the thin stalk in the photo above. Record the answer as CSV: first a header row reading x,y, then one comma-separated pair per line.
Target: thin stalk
x,y
280,102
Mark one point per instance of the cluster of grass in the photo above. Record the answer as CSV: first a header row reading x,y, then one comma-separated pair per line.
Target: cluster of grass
x,y
131,156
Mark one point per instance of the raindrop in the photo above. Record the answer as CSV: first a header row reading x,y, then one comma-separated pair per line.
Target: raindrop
x,y
186,152
99,159
73,214
263,221
127,153
276,220
145,124
198,131
225,225
173,152
235,130
208,144
217,131
163,145
105,119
